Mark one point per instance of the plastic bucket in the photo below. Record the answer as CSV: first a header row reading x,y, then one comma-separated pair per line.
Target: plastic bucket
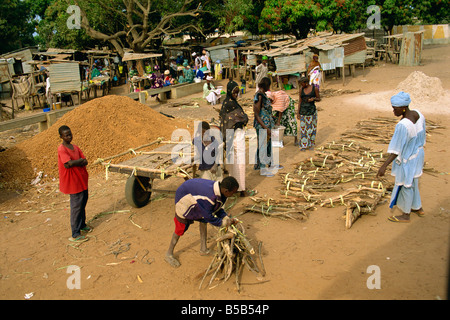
x,y
278,136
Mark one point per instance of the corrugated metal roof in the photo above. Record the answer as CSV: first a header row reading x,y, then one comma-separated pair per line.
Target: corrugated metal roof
x,y
290,64
64,77
225,55
57,50
356,57
128,56
222,46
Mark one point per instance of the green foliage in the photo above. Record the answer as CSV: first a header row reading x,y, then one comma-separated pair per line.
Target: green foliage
x,y
298,17
232,13
433,11
16,27
53,31
396,12
30,22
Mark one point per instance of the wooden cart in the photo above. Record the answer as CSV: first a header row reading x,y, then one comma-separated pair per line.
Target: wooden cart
x,y
170,159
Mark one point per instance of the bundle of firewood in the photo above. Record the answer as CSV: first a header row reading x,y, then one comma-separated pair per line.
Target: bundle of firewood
x,y
280,208
233,252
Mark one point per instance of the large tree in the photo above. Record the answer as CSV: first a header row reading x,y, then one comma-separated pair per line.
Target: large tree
x,y
140,22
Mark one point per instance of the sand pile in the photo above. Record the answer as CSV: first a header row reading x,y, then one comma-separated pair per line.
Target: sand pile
x,y
421,87
101,127
427,95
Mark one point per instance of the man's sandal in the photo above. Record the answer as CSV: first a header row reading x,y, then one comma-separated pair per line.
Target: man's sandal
x,y
79,239
419,212
86,229
395,219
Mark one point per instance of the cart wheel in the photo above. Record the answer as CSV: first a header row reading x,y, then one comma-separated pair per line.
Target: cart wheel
x,y
135,194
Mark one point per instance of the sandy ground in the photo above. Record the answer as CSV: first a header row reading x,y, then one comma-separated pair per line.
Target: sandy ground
x,y
315,259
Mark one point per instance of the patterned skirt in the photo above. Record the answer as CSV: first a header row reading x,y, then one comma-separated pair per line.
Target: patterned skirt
x,y
288,119
307,132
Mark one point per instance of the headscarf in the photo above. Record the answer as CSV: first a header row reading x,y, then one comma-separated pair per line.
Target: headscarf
x,y
401,99
313,64
230,86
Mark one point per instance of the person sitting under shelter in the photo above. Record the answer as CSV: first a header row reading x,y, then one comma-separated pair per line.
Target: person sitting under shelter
x,y
210,93
188,74
168,80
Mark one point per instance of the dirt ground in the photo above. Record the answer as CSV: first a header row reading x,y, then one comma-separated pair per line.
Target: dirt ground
x,y
314,259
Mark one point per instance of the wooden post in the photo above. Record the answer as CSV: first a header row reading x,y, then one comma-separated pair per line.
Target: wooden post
x,y
142,97
51,119
43,126
163,96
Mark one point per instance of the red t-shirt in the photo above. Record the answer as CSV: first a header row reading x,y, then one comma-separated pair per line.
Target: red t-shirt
x,y
75,179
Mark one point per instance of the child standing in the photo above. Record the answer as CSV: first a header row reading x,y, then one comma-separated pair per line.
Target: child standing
x,y
73,180
205,154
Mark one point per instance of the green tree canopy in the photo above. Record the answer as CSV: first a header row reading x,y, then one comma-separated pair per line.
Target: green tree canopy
x,y
138,24
16,25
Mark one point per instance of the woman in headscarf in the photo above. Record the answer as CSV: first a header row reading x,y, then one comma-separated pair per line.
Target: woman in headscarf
x,y
283,110
314,72
210,93
406,148
307,114
263,124
188,74
157,80
233,117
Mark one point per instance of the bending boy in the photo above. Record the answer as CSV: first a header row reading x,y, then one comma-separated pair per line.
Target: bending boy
x,y
200,200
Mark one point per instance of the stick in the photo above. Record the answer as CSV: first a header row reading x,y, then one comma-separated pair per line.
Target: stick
x,y
207,270
128,151
260,259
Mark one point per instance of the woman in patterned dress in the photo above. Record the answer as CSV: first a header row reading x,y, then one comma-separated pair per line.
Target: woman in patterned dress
x,y
263,123
307,114
157,80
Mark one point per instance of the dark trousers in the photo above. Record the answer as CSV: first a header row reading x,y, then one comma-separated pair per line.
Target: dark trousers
x,y
78,203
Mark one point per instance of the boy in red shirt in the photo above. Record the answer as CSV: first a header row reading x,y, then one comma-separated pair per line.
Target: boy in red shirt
x,y
73,180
